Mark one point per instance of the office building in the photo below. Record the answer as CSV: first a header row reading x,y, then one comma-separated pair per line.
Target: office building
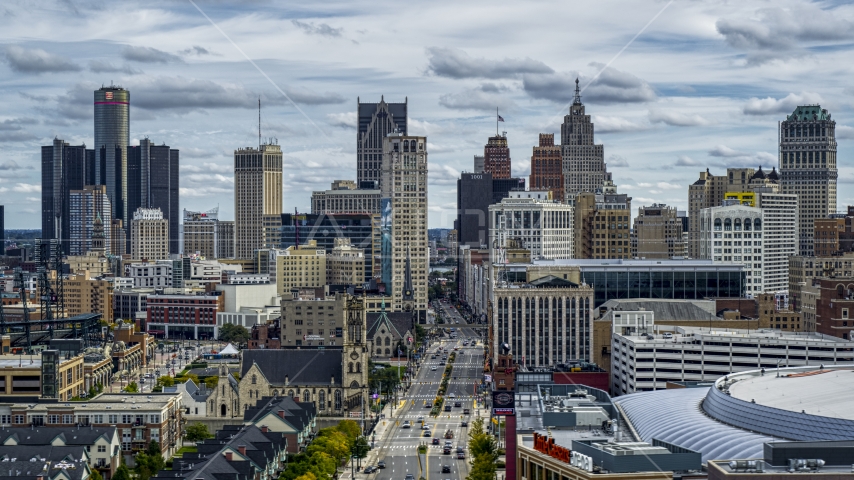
x,y
496,157
376,122
583,161
206,235
112,130
547,167
761,238
86,207
501,187
149,235
709,191
84,293
361,229
479,164
257,197
183,316
545,321
802,270
3,229
299,266
118,238
834,235
808,167
128,303
657,233
679,354
345,265
602,225
64,168
474,196
153,182
344,197
834,309
404,223
542,226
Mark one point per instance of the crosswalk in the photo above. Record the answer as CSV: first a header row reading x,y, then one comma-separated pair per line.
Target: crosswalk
x,y
460,397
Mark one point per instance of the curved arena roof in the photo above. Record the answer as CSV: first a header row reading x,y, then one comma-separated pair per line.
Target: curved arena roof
x,y
676,416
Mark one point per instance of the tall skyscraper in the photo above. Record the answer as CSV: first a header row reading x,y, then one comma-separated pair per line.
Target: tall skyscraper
x,y
149,235
203,233
602,225
404,221
64,168
153,182
583,161
808,167
112,133
709,191
657,233
496,157
2,229
547,167
85,207
257,197
376,121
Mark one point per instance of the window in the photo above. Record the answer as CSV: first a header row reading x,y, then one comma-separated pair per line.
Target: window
x,y
112,419
844,313
68,419
254,379
53,419
102,448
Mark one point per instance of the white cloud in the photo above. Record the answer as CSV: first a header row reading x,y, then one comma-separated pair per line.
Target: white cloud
x,y
686,161
607,124
776,106
677,119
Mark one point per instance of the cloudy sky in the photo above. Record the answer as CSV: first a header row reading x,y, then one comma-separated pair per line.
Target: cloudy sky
x,y
673,86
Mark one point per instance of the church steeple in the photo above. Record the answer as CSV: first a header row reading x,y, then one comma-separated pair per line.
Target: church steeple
x,y
408,292
98,238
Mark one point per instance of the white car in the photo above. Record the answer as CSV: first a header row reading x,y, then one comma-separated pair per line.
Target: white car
x,y
452,395
667,335
433,368
406,424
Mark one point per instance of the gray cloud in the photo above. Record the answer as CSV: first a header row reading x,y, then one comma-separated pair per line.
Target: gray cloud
x,y
612,86
782,33
319,29
456,63
730,157
14,124
345,120
308,97
686,161
676,119
100,66
617,161
725,152
11,165
776,106
184,94
36,60
844,131
604,124
17,136
196,50
476,99
148,55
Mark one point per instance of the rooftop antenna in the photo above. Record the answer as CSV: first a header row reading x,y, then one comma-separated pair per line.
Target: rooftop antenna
x,y
577,98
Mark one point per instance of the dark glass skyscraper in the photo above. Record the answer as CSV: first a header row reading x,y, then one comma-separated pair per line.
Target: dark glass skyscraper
x,y
376,120
112,132
152,182
64,168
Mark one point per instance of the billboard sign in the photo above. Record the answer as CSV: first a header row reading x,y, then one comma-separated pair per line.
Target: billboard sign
x,y
503,403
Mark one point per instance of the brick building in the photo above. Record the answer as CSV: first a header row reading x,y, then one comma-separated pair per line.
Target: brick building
x,y
183,316
835,306
547,167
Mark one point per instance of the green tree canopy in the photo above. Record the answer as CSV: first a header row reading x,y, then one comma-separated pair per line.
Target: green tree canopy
x,y
132,387
349,428
197,432
360,448
122,473
165,381
233,333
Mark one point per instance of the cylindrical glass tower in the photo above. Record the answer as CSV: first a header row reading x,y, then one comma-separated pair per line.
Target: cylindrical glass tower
x,y
112,113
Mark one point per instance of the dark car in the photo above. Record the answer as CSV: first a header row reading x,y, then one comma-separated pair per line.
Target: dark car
x,y
381,464
435,441
446,469
428,405
410,476
466,411
370,469
447,408
464,423
458,404
446,450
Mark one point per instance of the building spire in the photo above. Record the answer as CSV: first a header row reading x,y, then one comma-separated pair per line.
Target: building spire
x,y
408,294
577,99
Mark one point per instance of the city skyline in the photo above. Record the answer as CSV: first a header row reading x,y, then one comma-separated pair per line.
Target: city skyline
x,y
703,85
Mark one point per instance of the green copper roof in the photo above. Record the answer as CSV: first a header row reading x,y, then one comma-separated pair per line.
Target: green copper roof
x,y
809,112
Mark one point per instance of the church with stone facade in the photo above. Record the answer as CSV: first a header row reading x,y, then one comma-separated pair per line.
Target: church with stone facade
x,y
334,379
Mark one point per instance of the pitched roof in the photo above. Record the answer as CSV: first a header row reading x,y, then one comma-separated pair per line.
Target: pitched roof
x,y
45,436
552,281
298,414
398,323
300,367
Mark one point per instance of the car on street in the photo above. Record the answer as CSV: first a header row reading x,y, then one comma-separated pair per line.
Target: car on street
x,y
428,405
406,424
427,433
440,363
410,476
433,368
453,395
425,427
446,450
381,464
447,408
466,411
458,404
464,423
461,455
370,469
420,418
435,441
446,469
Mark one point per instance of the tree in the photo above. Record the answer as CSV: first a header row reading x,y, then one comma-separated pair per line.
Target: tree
x,y
122,473
360,448
95,475
165,381
233,333
211,382
482,444
333,443
482,469
197,432
132,387
149,462
349,428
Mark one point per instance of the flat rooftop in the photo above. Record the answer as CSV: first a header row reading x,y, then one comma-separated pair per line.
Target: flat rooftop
x,y
689,334
828,394
26,361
